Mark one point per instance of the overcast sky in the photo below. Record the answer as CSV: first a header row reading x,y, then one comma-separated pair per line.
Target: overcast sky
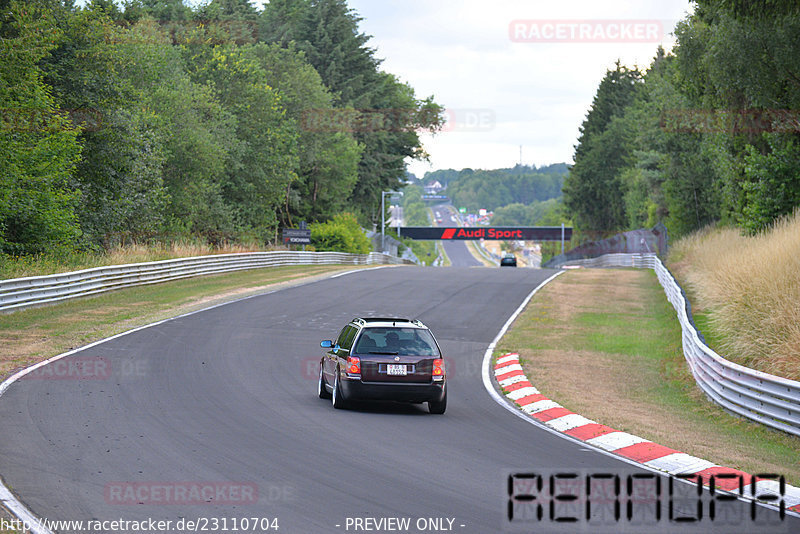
x,y
501,93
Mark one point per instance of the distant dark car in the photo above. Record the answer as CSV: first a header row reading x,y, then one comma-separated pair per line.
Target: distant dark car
x,y
384,359
509,260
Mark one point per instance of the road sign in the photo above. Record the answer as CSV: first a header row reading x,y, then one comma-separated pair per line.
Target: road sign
x,y
296,236
496,233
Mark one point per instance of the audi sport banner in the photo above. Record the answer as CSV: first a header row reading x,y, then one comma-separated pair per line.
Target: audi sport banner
x,y
497,233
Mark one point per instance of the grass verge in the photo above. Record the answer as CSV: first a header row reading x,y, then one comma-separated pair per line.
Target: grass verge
x,y
606,344
32,335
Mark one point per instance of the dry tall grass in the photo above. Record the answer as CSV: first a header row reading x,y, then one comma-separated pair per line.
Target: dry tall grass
x,y
750,287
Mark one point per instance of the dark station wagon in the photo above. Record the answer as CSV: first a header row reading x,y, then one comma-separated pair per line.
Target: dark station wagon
x,y
509,260
384,359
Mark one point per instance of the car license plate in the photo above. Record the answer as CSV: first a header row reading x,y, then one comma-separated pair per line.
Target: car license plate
x,y
396,370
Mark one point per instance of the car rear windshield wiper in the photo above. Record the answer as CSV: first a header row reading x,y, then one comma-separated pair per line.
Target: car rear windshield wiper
x,y
386,353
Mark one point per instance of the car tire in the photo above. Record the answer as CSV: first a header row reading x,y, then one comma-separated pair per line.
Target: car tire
x,y
438,407
322,391
337,399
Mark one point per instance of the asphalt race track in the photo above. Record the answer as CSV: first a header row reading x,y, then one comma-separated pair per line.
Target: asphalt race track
x,y
227,398
459,254
457,251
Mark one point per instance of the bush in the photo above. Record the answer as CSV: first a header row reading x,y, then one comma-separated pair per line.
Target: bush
x,y
341,234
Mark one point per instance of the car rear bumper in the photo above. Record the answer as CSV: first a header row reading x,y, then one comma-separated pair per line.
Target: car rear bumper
x,y
358,390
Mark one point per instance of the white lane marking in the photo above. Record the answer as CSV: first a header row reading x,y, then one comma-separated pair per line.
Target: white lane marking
x,y
679,463
8,498
568,422
506,359
615,440
540,406
507,369
765,488
337,275
517,394
513,380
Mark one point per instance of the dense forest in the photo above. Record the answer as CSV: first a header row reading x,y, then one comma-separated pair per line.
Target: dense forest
x,y
519,196
150,119
708,133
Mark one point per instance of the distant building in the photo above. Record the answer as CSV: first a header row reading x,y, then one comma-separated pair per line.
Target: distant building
x,y
434,188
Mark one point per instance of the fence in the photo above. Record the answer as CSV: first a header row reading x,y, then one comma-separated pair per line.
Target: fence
x,y
20,293
642,241
768,399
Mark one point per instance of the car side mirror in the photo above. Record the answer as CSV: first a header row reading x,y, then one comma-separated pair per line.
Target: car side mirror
x,y
326,344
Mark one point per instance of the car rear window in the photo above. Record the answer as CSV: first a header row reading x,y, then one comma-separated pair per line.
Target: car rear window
x,y
395,340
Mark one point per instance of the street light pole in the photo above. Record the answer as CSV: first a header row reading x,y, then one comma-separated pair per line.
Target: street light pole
x,y
383,216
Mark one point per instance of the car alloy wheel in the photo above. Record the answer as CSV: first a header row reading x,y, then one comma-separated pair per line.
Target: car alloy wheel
x,y
336,397
438,407
322,391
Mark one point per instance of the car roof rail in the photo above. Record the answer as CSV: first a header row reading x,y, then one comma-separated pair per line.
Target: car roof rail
x,y
385,320
361,321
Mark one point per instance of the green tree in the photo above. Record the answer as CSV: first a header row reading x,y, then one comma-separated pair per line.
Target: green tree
x,y
328,159
120,175
39,145
341,234
196,132
227,10
261,164
772,183
327,32
390,115
525,215
593,191
493,189
739,64
162,11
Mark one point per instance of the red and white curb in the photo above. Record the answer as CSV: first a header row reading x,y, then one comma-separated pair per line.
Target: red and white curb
x,y
518,388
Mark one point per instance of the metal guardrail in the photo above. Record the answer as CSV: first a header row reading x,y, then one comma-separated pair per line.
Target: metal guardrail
x,y
20,293
771,400
487,254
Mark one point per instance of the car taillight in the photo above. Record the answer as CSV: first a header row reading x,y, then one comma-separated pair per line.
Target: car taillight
x,y
354,365
438,367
